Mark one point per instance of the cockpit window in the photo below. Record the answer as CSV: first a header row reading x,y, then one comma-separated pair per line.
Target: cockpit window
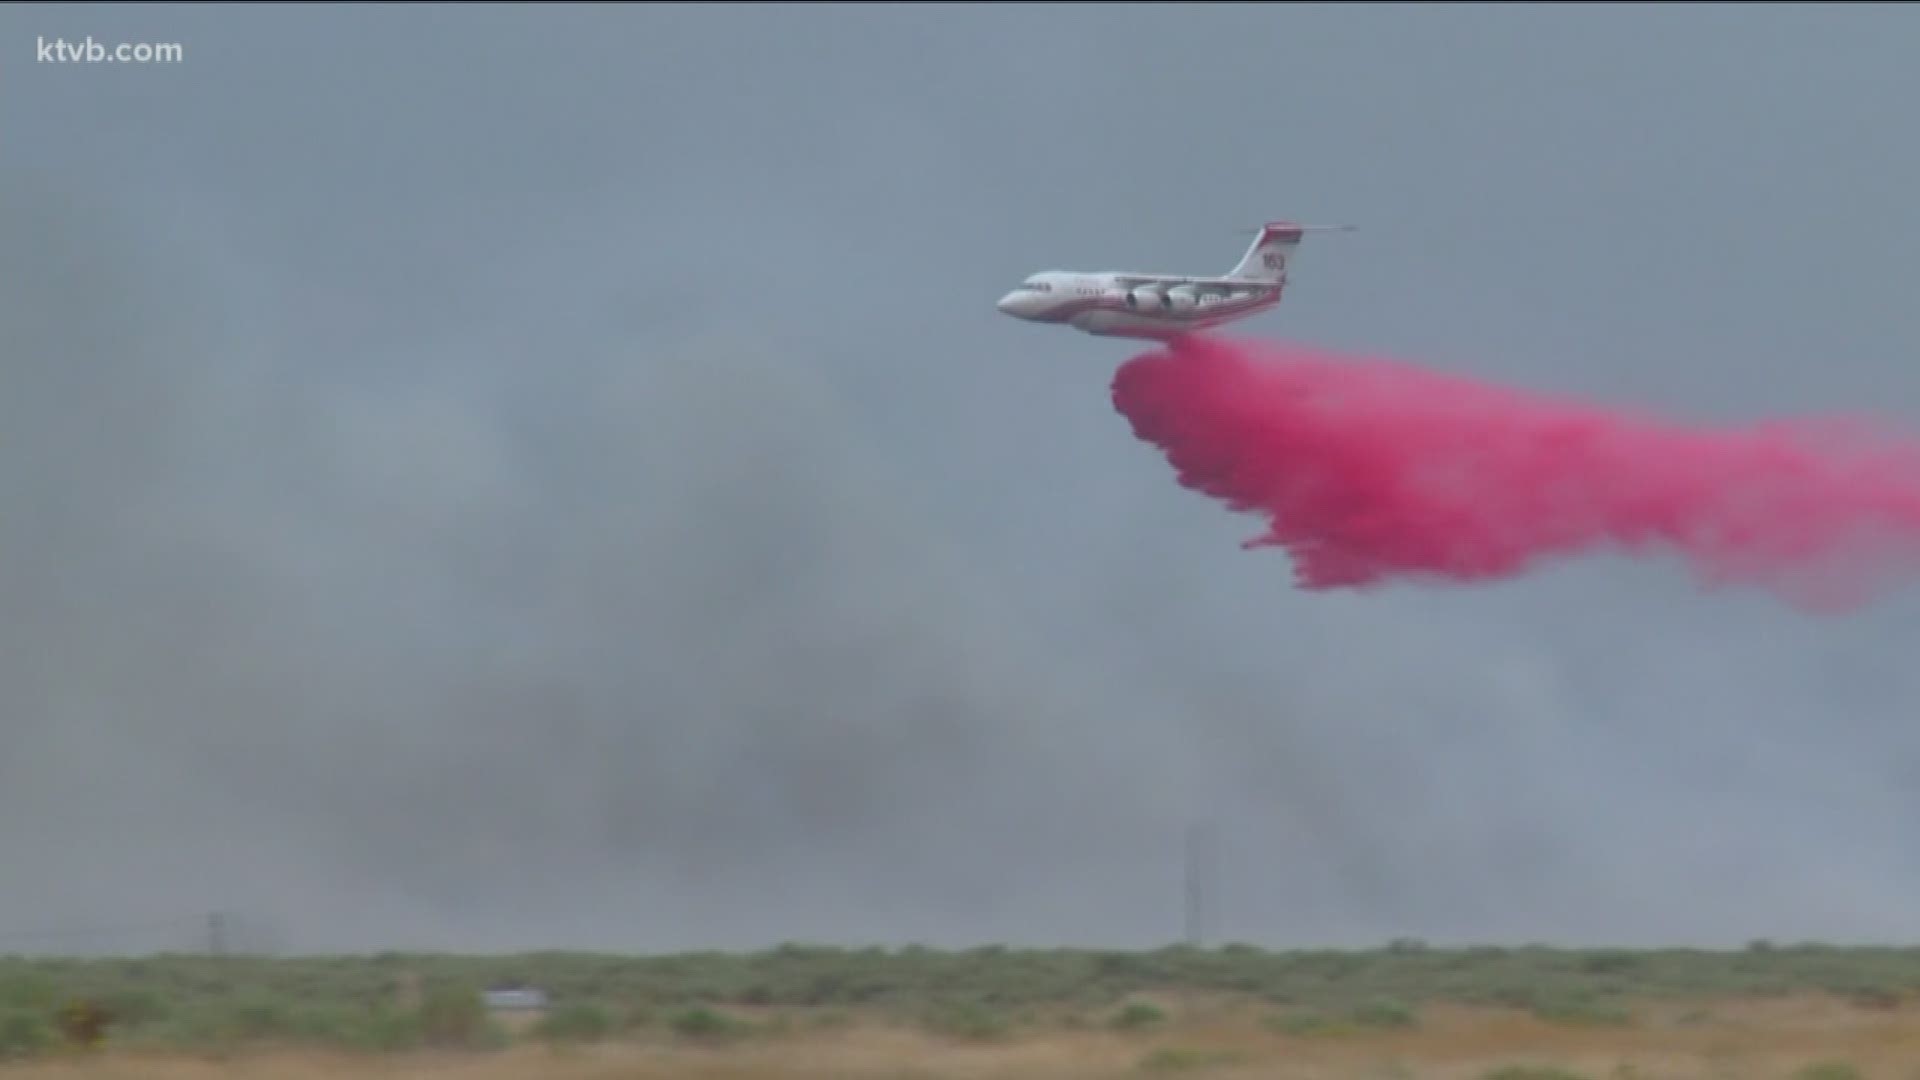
x,y
1039,286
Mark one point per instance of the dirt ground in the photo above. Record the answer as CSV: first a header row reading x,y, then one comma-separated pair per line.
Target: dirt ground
x,y
1770,1040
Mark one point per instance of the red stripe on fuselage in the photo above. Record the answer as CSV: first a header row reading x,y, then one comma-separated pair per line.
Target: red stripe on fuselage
x,y
1198,313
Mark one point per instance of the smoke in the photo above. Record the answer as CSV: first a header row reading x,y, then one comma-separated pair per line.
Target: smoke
x,y
443,610
1371,471
458,656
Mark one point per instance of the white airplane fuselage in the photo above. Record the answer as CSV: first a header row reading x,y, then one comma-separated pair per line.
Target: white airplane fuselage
x,y
1121,304
1109,305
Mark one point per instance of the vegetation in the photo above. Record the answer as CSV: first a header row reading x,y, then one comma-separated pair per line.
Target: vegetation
x,y
1155,1007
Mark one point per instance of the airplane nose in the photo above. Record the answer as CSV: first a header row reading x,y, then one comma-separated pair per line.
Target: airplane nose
x,y
1017,303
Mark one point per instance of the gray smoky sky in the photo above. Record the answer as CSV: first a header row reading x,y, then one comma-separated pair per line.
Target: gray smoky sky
x,y
507,477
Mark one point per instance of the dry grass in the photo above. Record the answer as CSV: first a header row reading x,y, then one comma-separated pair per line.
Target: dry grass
x,y
1728,1040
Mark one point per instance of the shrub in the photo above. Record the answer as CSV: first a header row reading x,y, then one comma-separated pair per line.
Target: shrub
x,y
1384,1013
1136,1016
259,1018
84,1023
24,1033
966,1022
133,1006
1179,1059
831,1019
1873,997
387,1029
455,1017
1580,1013
1302,1025
702,1024
578,1022
28,990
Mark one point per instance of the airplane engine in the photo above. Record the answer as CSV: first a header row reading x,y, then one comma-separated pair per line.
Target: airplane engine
x,y
1181,298
1148,300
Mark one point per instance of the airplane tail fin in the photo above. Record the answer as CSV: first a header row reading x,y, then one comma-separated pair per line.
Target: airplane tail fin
x,y
1272,251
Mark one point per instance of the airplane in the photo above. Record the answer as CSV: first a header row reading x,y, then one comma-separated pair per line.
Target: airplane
x,y
1160,306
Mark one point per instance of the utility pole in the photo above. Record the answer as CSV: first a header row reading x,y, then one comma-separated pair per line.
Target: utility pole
x,y
1201,873
217,933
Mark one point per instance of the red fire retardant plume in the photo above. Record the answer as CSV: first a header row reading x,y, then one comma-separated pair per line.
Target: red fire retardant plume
x,y
1370,471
